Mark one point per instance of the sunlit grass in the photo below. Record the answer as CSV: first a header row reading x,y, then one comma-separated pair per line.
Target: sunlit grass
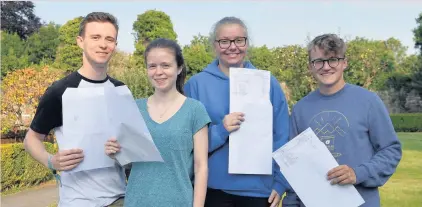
x,y
405,187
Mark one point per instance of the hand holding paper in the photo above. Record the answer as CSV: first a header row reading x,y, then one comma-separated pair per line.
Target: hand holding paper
x,y
233,121
112,147
342,175
67,159
91,116
305,162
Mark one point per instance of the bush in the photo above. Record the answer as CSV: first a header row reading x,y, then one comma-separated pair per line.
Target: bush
x,y
123,67
19,169
407,122
21,91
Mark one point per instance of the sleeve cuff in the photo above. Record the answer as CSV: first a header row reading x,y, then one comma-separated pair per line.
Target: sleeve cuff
x,y
224,134
38,130
361,173
279,188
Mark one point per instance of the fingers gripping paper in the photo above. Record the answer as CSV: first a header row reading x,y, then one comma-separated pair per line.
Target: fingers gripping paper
x,y
305,162
93,115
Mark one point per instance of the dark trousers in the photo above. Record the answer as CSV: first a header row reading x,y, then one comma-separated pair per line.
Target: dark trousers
x,y
219,198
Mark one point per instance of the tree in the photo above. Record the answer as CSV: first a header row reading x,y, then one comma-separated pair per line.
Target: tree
x,y
418,33
18,17
370,62
203,40
21,91
397,48
123,67
12,53
261,57
69,54
416,78
41,46
198,54
403,86
291,67
148,26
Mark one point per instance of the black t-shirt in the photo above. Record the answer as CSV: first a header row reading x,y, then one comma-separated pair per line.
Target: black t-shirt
x,y
49,111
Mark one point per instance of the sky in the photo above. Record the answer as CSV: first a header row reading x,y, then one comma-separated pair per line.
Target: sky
x,y
271,23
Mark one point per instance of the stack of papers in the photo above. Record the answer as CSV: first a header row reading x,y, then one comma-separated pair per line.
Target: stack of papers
x,y
93,115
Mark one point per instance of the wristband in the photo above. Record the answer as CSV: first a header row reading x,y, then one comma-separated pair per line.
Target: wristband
x,y
53,170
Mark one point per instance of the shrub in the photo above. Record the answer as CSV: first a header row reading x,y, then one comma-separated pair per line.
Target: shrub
x,y
21,91
123,67
407,122
19,169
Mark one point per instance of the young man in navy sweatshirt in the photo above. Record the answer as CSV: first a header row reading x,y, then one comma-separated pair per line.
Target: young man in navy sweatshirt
x,y
352,121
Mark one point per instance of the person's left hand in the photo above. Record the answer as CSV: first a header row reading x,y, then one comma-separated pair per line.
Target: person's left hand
x,y
274,199
112,147
342,175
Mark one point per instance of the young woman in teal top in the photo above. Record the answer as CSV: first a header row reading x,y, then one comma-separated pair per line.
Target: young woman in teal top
x,y
179,128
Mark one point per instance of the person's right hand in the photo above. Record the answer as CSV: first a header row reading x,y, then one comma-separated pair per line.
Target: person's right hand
x,y
67,159
233,120
112,147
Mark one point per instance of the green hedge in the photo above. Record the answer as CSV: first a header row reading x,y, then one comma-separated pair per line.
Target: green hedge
x,y
407,122
19,169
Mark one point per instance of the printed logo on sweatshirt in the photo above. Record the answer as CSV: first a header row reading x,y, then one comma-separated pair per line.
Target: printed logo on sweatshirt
x,y
329,126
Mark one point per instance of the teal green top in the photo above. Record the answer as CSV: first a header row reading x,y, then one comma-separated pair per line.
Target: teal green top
x,y
168,183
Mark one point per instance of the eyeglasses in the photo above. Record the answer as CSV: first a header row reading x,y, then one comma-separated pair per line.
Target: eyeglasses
x,y
226,43
332,62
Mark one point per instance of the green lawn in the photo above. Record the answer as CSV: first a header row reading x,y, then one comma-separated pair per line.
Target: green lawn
x,y
405,187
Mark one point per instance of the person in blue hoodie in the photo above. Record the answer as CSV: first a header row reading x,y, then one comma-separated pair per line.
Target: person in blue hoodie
x,y
351,121
230,40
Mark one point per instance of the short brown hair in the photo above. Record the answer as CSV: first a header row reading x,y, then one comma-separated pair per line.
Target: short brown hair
x,y
330,43
97,17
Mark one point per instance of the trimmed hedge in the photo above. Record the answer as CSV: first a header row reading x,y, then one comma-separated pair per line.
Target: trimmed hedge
x,y
19,169
407,122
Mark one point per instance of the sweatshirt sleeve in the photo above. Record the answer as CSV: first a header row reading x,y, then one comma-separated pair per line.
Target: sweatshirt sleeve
x,y
280,132
217,133
291,199
388,151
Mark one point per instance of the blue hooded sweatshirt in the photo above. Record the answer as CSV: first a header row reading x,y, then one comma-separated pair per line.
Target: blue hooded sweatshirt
x,y
211,87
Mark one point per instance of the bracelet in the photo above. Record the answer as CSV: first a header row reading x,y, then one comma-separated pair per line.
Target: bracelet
x,y
51,167
50,163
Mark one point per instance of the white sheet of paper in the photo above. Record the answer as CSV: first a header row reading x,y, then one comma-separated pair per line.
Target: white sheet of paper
x,y
305,161
84,126
251,146
92,115
132,132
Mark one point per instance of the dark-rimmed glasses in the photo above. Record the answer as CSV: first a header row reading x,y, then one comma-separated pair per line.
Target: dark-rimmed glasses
x,y
226,43
332,62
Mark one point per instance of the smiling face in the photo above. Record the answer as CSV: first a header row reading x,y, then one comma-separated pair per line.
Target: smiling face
x,y
162,69
231,45
98,42
327,68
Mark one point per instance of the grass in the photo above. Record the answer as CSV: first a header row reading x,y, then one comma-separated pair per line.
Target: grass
x,y
405,187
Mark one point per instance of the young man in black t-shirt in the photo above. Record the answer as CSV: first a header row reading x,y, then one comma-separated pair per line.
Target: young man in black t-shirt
x,y
99,187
